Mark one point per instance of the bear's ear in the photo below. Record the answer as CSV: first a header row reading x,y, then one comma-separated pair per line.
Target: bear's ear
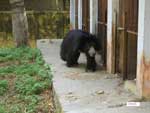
x,y
93,36
97,41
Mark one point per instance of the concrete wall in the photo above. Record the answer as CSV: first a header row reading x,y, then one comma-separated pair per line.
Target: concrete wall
x,y
147,31
143,65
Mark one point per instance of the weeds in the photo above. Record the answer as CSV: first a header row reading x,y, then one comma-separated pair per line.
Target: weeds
x,y
3,86
32,78
2,109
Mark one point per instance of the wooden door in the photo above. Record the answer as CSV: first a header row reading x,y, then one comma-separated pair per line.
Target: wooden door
x,y
86,15
127,38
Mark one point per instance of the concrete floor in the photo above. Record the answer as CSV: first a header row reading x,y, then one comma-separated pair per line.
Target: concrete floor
x,y
82,92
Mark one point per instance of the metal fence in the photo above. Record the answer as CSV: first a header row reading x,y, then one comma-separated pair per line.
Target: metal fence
x,y
50,24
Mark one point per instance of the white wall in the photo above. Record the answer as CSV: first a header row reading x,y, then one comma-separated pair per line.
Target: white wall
x,y
93,16
147,30
72,14
79,14
143,60
113,7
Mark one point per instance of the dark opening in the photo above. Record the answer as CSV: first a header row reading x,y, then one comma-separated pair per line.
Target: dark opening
x,y
86,15
102,27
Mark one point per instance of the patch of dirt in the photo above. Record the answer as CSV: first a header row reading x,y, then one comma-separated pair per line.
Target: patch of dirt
x,y
71,97
11,97
83,75
3,64
47,102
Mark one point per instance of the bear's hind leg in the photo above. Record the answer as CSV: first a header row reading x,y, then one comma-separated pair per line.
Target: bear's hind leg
x,y
76,57
72,59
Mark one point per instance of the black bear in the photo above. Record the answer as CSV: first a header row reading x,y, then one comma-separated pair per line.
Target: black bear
x,y
77,41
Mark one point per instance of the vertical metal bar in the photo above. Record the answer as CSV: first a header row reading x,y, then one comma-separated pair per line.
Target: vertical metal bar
x,y
116,57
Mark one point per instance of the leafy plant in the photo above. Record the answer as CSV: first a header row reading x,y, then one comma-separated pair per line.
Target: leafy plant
x,y
2,109
3,86
15,108
7,70
32,77
21,54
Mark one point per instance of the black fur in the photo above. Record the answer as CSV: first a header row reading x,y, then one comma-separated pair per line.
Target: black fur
x,y
77,41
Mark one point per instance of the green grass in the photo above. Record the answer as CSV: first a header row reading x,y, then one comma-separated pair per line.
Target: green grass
x,y
3,86
26,77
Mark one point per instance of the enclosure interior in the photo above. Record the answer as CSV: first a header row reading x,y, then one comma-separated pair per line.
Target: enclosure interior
x,y
102,27
86,15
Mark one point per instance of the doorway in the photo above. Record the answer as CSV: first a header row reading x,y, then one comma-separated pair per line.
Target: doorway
x,y
126,39
102,28
86,15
